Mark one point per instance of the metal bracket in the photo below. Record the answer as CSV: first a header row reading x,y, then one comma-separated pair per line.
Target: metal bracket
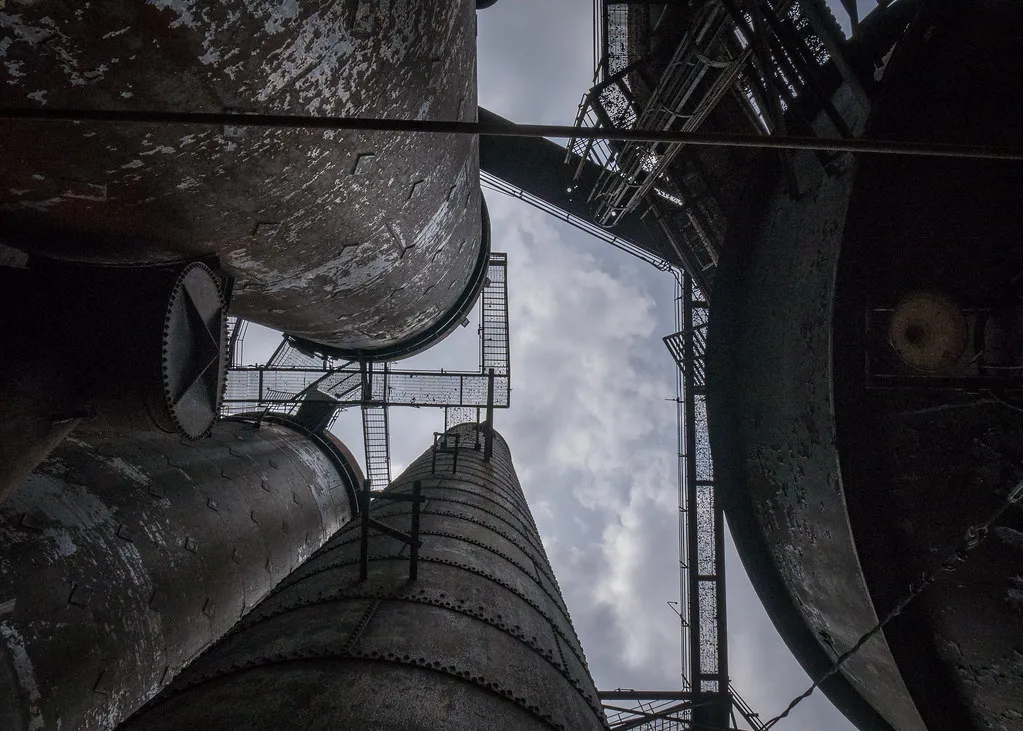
x,y
445,444
488,444
411,538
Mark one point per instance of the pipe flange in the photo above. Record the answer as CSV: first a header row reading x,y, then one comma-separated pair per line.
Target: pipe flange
x,y
194,357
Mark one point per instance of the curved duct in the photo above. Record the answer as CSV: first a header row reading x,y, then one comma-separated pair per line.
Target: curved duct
x,y
358,241
125,556
435,333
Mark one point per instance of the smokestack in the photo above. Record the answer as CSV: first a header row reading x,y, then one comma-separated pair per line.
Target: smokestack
x,y
125,556
480,638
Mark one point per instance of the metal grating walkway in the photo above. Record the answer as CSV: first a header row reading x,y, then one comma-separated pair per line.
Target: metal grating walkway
x,y
289,374
375,436
494,345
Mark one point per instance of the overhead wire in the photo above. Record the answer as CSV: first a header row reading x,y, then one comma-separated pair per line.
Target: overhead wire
x,y
974,537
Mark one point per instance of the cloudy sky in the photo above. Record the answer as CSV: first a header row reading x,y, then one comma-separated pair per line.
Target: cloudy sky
x,y
592,423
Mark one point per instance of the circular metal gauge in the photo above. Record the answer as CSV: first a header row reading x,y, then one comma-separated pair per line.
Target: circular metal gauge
x,y
928,332
194,350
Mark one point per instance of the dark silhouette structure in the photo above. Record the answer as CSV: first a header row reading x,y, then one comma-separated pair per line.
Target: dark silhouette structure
x,y
863,374
850,342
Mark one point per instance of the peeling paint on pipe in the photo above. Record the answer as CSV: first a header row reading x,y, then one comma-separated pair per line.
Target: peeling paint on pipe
x,y
125,556
354,240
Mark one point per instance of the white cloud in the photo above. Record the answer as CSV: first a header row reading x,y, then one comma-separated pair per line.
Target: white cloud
x,y
592,432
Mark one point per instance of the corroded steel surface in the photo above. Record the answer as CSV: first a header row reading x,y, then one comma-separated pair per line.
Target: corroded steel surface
x,y
773,435
481,639
348,239
924,466
842,496
123,557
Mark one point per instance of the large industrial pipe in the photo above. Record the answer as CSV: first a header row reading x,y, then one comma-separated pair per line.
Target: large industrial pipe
x,y
122,557
480,638
106,348
360,241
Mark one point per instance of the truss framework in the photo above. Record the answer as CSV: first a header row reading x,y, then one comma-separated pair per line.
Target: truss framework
x,y
701,552
768,56
661,710
291,375
706,699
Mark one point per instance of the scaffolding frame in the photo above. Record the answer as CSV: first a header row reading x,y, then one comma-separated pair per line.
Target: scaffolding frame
x,y
666,710
292,374
767,55
703,648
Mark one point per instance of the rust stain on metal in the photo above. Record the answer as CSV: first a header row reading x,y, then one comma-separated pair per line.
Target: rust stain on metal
x,y
150,194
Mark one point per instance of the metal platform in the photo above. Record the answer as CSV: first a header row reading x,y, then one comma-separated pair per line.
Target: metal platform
x,y
291,375
759,63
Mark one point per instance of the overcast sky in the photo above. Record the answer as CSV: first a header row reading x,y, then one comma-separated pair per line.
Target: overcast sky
x,y
592,423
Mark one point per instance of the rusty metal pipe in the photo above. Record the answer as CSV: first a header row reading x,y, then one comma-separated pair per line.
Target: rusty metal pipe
x,y
125,556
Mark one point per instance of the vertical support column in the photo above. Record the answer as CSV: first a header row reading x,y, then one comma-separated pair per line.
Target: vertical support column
x,y
708,632
689,437
488,443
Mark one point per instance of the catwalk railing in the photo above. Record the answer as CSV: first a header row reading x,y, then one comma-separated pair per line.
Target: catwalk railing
x,y
252,386
764,55
291,375
644,710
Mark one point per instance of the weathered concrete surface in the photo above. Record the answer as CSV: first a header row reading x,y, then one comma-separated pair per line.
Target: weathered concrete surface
x,y
352,240
773,438
482,638
123,557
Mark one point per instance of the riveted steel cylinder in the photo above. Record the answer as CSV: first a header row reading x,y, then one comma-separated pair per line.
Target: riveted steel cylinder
x,y
122,557
107,348
361,241
480,639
